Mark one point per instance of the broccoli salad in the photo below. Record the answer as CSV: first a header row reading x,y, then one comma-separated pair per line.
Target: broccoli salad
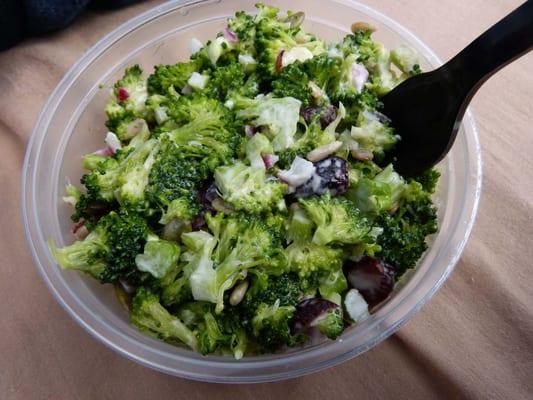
x,y
242,204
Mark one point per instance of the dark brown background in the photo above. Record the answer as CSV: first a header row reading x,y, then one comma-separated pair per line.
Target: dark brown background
x,y
474,339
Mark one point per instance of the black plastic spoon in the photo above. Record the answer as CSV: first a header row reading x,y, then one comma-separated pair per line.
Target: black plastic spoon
x,y
427,109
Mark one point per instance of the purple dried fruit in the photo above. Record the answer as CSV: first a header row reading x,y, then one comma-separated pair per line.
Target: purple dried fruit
x,y
373,278
330,175
198,223
207,196
327,115
308,311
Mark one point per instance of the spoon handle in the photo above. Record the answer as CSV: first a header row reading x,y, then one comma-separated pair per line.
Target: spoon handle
x,y
503,43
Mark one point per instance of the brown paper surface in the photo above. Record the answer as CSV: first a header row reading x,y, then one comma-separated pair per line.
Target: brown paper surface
x,y
474,340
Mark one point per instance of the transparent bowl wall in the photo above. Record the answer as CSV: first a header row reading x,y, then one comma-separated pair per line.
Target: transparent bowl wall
x,y
72,123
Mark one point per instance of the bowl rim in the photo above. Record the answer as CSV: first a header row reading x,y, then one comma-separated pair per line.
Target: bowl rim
x,y
104,332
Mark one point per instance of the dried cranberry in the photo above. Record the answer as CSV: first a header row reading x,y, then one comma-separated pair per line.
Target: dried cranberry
x,y
269,160
309,113
308,310
198,222
96,210
373,278
250,130
122,95
330,175
207,195
327,115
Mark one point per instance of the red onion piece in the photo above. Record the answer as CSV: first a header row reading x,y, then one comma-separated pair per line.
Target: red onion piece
x,y
122,94
269,160
373,278
250,130
105,152
230,36
80,230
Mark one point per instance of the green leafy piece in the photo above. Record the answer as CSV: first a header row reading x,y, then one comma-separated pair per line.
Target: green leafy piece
x,y
247,188
370,138
158,258
256,147
279,117
379,193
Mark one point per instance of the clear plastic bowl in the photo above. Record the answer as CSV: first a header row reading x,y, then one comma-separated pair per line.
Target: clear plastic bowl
x,y
72,123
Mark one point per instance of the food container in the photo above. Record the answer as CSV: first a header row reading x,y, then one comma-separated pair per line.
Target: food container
x,y
72,123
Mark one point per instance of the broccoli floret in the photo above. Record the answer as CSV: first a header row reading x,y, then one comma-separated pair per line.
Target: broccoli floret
x,y
174,182
232,79
128,98
267,289
272,36
331,324
127,234
319,267
342,86
293,82
210,135
222,333
247,188
267,308
322,69
428,179
306,258
279,117
403,239
108,253
92,162
124,180
377,59
359,44
151,317
270,325
245,243
323,72
244,26
337,220
87,256
167,76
